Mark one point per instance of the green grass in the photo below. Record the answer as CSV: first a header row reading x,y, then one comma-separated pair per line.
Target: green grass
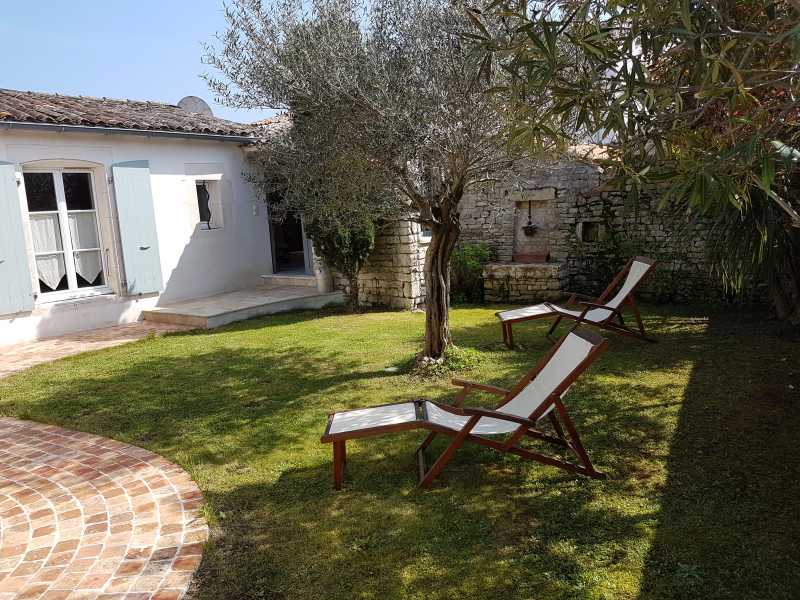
x,y
698,434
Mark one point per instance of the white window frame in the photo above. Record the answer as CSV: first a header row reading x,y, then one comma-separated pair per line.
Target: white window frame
x,y
214,188
67,249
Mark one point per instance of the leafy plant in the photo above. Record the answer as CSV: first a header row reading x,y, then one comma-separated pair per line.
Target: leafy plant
x,y
345,247
698,97
466,272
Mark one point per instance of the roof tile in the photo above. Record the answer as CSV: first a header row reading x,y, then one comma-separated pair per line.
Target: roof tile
x,y
38,107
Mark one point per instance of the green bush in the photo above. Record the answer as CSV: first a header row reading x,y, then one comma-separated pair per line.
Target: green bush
x,y
466,272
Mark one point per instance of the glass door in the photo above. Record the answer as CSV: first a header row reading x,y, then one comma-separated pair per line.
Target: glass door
x,y
65,232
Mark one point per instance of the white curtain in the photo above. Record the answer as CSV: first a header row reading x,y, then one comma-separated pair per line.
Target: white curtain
x,y
46,234
51,269
83,230
88,265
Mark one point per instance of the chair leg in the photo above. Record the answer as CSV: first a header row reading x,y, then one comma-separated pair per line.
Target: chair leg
x,y
509,336
446,456
557,426
339,460
576,444
553,327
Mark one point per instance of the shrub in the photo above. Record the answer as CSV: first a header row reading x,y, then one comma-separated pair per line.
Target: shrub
x,y
466,272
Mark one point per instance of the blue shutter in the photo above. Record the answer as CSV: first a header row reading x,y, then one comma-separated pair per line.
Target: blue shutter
x,y
16,292
137,225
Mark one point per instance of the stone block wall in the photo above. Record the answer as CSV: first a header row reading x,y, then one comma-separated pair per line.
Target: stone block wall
x,y
519,282
593,235
393,276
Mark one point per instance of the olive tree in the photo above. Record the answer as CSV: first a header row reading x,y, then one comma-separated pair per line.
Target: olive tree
x,y
392,81
339,198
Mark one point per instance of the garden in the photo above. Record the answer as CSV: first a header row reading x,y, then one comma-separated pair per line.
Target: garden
x,y
697,434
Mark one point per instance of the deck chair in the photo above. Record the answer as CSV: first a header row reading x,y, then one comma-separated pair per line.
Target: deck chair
x,y
604,312
534,401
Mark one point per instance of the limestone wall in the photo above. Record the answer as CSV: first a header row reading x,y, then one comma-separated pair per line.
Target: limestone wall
x,y
592,236
393,276
517,282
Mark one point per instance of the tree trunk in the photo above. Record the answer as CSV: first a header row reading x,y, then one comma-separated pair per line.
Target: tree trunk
x,y
355,303
437,287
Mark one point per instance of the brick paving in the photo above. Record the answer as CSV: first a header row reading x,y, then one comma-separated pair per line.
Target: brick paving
x,y
85,517
21,356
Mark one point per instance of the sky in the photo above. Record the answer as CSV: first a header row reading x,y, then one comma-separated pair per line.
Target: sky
x,y
135,49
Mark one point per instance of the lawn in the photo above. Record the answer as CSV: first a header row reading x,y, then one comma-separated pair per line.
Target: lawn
x,y
698,434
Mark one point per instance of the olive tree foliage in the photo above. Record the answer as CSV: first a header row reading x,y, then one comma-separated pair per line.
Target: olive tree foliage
x,y
339,197
700,98
389,81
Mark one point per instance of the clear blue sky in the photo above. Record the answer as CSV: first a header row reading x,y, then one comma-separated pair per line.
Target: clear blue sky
x,y
137,49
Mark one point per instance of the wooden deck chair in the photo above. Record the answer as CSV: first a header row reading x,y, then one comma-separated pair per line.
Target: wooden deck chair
x,y
605,311
535,400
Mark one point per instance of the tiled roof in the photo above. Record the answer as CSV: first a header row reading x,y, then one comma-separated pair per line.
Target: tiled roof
x,y
56,109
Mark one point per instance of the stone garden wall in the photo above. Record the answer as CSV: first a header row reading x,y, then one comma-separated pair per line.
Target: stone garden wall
x,y
393,276
583,234
588,232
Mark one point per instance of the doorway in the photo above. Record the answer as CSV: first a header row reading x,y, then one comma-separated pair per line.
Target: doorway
x,y
290,255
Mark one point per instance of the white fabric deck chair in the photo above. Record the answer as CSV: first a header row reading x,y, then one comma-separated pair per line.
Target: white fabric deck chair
x,y
533,401
604,312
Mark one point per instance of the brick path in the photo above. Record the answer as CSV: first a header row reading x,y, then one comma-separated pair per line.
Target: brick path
x,y
21,356
86,517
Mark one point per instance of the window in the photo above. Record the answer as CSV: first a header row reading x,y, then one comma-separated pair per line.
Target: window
x,y
209,205
64,229
591,231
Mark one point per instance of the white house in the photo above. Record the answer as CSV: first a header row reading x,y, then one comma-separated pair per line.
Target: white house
x,y
112,207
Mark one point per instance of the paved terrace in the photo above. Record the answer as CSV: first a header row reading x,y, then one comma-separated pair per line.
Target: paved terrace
x,y
85,517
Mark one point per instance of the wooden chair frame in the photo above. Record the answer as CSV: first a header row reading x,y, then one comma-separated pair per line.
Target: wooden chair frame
x,y
615,320
565,435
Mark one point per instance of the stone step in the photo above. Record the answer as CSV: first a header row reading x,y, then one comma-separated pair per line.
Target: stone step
x,y
222,309
279,279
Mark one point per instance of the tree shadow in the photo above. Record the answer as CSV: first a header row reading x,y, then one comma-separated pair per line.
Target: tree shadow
x,y
252,399
728,523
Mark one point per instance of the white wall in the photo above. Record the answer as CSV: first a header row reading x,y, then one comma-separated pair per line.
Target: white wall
x,y
194,262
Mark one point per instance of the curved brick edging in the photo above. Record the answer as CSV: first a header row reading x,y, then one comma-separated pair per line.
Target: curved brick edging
x,y
86,517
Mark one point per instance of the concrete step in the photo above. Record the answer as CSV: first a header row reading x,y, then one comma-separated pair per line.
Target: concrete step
x,y
294,280
222,309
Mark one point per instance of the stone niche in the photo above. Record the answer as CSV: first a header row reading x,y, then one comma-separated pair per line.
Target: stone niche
x,y
534,218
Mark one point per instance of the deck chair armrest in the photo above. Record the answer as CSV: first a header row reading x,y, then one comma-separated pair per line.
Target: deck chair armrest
x,y
594,305
471,385
575,297
472,411
496,414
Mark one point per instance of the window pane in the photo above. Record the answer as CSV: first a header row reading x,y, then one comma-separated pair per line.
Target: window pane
x,y
78,191
83,230
203,202
40,190
89,268
46,233
52,273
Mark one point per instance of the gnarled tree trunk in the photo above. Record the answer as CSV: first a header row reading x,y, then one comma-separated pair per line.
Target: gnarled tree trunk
x,y
437,285
355,303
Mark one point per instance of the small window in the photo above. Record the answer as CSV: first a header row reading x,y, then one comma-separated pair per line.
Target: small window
x,y
426,233
204,202
209,204
591,231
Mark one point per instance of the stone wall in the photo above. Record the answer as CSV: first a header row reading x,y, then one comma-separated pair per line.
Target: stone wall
x,y
593,235
393,276
519,282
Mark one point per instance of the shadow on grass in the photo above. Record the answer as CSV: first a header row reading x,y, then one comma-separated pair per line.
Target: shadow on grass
x,y
243,407
728,525
252,399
